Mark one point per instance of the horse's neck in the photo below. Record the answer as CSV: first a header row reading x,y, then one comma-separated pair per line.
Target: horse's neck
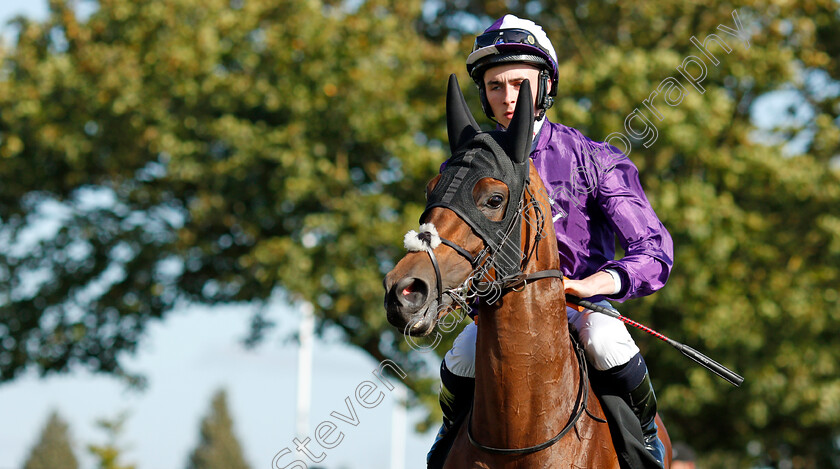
x,y
526,375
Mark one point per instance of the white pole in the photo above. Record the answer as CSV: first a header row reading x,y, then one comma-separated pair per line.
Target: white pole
x,y
304,378
398,433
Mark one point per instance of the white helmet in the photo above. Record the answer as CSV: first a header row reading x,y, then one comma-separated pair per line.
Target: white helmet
x,y
515,40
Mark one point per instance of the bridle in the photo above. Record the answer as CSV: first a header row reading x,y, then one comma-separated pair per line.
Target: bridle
x,y
472,289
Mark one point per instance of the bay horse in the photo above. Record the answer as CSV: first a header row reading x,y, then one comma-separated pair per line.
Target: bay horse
x,y
533,406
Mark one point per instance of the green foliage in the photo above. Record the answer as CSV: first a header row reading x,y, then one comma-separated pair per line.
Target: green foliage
x,y
755,280
218,447
215,151
108,454
54,448
211,152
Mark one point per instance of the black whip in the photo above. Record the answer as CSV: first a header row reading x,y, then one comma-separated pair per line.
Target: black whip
x,y
711,365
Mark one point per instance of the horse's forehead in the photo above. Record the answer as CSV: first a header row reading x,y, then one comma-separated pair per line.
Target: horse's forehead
x,y
489,184
481,157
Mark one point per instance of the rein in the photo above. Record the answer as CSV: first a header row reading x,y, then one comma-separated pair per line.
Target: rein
x,y
511,283
430,240
438,279
521,280
580,407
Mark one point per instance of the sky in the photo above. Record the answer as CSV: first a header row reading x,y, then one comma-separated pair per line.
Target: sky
x,y
186,358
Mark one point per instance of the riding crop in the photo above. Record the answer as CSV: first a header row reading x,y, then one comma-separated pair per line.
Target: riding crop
x,y
689,352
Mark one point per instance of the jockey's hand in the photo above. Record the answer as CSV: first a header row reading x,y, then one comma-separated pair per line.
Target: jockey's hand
x,y
599,283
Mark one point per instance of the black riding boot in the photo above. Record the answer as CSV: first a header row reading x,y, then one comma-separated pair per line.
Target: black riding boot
x,y
642,401
456,395
622,381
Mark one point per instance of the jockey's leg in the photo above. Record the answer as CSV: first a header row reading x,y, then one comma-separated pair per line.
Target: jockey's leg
x,y
643,402
619,369
457,383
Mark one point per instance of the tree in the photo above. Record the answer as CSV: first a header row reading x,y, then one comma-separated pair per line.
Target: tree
x,y
109,454
219,150
218,447
207,152
754,218
54,447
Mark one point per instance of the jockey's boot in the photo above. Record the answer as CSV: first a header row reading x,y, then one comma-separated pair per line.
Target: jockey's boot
x,y
456,395
642,401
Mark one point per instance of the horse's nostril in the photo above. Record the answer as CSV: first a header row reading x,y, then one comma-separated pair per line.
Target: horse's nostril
x,y
412,292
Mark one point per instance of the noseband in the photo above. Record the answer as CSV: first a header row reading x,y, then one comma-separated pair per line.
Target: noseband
x,y
427,239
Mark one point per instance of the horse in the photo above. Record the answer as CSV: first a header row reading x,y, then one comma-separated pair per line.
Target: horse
x,y
533,406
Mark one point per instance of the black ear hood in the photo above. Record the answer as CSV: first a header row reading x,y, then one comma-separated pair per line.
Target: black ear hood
x,y
498,154
461,126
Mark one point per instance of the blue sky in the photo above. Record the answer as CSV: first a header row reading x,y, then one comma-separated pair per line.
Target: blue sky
x,y
186,358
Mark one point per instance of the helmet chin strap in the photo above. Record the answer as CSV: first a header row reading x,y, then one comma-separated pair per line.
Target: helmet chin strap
x,y
538,122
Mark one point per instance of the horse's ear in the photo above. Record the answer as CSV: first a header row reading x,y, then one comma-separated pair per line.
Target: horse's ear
x,y
521,128
460,123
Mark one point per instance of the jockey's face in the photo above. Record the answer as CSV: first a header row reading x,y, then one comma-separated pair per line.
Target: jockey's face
x,y
502,87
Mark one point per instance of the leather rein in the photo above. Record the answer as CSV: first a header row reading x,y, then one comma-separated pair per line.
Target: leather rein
x,y
514,282
580,407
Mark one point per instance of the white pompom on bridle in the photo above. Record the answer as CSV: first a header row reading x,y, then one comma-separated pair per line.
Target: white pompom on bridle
x,y
425,238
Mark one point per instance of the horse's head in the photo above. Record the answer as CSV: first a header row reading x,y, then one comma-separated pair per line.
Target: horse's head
x,y
471,231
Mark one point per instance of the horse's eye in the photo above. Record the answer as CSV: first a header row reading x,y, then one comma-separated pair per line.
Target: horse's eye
x,y
495,201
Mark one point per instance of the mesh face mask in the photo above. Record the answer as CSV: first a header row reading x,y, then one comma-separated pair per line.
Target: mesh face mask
x,y
483,157
501,155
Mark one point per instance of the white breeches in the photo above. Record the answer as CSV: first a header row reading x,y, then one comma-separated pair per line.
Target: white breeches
x,y
605,341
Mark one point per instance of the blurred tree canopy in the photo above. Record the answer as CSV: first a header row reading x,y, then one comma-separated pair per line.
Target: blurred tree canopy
x,y
54,447
109,454
218,447
168,151
159,152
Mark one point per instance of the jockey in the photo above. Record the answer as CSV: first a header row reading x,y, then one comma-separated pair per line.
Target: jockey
x,y
596,195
